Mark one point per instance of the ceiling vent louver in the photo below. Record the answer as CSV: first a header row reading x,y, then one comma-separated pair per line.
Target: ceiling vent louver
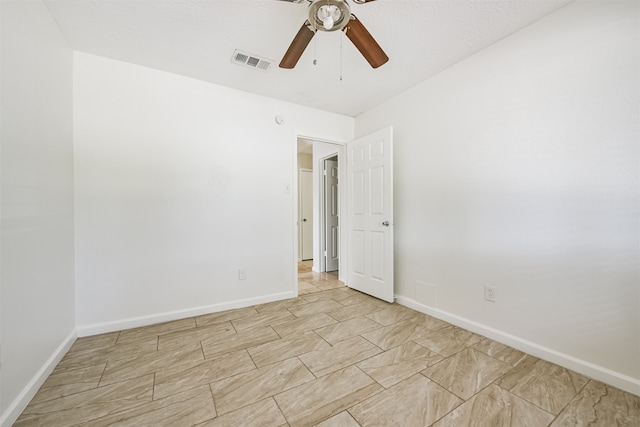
x,y
251,61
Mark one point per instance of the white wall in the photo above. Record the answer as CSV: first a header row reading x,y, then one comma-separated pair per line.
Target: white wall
x,y
518,168
305,161
180,183
37,311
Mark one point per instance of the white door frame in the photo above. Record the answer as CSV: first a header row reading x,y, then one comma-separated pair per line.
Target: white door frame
x,y
340,151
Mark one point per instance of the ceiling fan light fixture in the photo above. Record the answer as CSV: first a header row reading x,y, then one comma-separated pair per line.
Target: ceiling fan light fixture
x,y
329,15
328,23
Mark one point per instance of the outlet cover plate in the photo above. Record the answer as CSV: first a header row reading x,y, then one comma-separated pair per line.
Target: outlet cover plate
x,y
490,293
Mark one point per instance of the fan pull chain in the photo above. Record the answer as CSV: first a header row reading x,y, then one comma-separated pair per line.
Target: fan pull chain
x,y
341,37
315,52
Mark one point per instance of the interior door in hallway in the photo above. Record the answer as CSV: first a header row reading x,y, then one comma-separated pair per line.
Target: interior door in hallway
x,y
370,214
331,229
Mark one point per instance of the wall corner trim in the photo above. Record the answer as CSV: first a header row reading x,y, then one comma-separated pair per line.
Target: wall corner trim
x,y
19,404
588,369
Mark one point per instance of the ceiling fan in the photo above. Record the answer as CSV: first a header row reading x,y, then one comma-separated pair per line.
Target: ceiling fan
x,y
333,15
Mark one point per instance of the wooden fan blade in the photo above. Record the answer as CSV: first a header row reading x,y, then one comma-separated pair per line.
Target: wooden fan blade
x,y
362,1
298,45
364,41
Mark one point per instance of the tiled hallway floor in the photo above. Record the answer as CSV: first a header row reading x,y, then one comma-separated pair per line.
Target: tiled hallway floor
x,y
331,357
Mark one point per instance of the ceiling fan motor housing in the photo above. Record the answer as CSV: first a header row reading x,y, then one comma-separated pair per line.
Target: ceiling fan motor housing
x,y
329,15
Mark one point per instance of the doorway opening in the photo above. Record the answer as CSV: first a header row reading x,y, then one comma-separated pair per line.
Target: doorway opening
x,y
319,242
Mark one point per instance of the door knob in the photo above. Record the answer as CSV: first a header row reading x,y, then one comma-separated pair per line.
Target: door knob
x,y
385,223
304,220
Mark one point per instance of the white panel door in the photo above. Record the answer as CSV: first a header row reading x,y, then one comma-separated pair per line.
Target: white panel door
x,y
331,229
370,214
306,215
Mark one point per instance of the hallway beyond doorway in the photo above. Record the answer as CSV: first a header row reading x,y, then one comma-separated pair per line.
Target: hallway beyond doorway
x,y
310,282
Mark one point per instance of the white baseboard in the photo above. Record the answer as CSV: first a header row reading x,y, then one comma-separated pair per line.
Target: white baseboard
x,y
22,400
135,322
588,369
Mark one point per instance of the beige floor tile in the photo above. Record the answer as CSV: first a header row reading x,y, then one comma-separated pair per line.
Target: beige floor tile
x,y
324,397
261,414
417,401
343,419
92,357
309,276
600,405
226,316
341,355
64,383
280,305
261,320
94,342
143,332
393,314
315,308
250,387
500,351
299,326
356,297
89,405
430,322
213,347
334,294
548,386
355,310
184,409
328,284
317,278
173,379
395,334
307,288
449,340
400,363
495,407
312,276
124,369
177,340
259,361
467,372
380,303
285,348
347,329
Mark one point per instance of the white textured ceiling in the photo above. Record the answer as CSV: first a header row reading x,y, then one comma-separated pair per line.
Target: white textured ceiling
x,y
196,38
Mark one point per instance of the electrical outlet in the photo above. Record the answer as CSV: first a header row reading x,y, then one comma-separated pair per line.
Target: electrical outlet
x,y
490,293
242,274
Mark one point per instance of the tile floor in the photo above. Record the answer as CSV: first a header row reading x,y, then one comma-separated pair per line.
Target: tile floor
x,y
331,357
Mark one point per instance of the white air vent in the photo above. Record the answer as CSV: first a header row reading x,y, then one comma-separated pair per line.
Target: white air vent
x,y
251,61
